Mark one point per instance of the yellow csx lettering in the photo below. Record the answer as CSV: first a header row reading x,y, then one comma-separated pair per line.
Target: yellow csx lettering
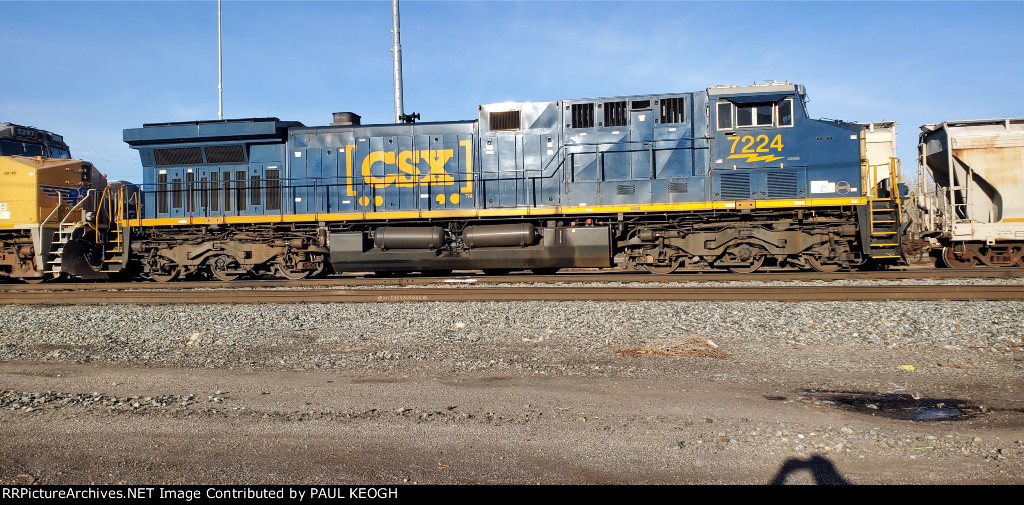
x,y
409,173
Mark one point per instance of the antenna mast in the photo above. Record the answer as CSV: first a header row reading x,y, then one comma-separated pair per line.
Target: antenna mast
x,y
220,69
396,52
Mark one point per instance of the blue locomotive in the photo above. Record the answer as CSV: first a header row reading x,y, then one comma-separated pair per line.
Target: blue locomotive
x,y
732,177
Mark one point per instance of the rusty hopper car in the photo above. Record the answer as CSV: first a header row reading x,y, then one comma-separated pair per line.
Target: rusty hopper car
x,y
978,169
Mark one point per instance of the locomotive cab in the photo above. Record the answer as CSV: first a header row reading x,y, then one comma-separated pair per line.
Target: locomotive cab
x,y
766,146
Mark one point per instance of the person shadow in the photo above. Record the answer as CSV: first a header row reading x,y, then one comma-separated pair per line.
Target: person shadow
x,y
822,470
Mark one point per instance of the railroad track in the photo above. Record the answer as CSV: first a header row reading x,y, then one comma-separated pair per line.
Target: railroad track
x,y
533,293
602,276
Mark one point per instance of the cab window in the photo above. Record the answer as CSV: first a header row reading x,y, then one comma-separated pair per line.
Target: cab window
x,y
786,112
724,115
13,148
753,115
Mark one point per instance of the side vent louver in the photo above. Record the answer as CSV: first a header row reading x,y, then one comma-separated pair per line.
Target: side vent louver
x,y
625,189
505,121
615,114
782,185
582,115
672,110
641,104
735,186
678,187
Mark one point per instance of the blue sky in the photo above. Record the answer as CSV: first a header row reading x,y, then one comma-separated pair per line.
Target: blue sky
x,y
87,70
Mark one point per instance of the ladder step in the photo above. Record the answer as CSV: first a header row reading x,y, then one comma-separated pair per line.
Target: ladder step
x,y
115,251
882,210
884,245
111,261
877,222
883,233
880,257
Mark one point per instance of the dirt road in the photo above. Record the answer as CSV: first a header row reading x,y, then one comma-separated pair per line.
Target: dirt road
x,y
737,418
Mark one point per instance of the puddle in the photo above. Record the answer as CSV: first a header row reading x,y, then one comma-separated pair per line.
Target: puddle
x,y
895,406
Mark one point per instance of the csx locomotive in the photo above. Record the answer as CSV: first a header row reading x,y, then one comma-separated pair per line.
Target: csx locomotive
x,y
732,177
44,199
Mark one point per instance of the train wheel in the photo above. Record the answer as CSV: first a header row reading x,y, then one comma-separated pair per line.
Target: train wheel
x,y
822,267
287,266
664,269
165,276
755,263
294,275
952,261
220,266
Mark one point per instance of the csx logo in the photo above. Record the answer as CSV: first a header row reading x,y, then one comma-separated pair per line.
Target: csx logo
x,y
70,196
406,169
409,173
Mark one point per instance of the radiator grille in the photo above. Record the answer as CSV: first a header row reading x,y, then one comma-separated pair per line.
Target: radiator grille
x,y
505,120
225,154
178,156
625,189
641,104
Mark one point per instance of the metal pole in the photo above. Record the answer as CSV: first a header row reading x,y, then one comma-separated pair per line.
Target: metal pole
x,y
396,52
220,68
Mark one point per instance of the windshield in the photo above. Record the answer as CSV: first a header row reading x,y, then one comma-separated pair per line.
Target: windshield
x,y
12,148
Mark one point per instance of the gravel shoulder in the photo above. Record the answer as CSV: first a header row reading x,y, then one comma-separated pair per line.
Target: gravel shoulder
x,y
518,392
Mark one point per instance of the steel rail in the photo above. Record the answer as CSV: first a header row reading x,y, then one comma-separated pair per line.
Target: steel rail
x,y
481,294
566,277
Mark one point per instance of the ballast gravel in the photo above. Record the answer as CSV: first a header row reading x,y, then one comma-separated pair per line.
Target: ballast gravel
x,y
561,338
